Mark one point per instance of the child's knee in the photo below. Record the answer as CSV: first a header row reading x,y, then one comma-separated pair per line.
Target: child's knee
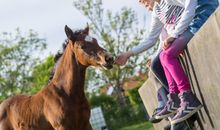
x,y
166,56
161,56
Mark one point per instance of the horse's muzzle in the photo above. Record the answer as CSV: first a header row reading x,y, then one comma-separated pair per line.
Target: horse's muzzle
x,y
109,61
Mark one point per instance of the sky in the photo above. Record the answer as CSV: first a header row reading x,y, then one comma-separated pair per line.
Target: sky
x,y
48,17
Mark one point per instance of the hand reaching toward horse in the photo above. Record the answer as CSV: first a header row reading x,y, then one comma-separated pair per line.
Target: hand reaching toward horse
x,y
122,59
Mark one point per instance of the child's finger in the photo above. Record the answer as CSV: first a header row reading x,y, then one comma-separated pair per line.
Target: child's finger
x,y
117,60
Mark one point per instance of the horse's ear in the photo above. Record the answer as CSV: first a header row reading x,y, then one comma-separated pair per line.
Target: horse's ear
x,y
86,30
69,33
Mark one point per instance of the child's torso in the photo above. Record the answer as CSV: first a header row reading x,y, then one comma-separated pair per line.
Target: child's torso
x,y
168,14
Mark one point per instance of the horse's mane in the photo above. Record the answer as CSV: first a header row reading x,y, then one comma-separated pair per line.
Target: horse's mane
x,y
59,54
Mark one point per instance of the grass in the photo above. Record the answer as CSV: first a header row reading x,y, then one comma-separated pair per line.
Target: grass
x,y
141,126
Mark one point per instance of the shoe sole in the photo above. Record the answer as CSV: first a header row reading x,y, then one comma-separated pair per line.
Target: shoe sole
x,y
172,122
155,121
165,116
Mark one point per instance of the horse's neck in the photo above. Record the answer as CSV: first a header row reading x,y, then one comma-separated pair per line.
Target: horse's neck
x,y
70,75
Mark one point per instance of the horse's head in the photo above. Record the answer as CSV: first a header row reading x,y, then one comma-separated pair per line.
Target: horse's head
x,y
87,50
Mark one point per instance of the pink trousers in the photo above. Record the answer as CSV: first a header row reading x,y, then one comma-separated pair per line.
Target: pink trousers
x,y
176,77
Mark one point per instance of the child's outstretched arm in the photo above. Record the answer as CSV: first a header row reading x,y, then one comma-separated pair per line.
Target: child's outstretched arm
x,y
148,42
152,37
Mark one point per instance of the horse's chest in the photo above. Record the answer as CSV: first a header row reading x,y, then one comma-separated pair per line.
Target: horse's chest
x,y
77,107
77,114
73,106
68,112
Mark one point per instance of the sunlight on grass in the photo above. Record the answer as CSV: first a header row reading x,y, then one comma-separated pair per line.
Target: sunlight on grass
x,y
141,126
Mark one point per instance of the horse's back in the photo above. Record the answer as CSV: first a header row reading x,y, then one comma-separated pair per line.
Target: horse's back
x,y
23,112
4,121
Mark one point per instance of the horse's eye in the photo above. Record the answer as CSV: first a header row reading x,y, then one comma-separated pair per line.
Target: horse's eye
x,y
93,53
83,47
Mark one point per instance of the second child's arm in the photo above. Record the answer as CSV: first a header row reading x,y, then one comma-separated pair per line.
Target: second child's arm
x,y
186,18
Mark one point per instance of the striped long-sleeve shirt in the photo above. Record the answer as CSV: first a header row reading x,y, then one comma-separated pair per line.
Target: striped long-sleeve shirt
x,y
195,14
165,16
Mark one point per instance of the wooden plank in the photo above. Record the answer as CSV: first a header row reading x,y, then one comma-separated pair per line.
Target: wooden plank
x,y
149,97
204,64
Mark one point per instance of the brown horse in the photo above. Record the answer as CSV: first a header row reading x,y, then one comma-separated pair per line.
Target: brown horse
x,y
62,104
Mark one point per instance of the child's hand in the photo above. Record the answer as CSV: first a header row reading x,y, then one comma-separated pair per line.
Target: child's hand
x,y
148,63
122,59
168,42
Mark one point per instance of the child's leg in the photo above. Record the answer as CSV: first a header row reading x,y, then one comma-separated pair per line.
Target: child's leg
x,y
171,83
171,64
173,101
161,103
156,73
157,70
162,93
189,103
162,99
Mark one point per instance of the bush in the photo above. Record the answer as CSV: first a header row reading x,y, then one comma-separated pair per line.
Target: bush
x,y
116,117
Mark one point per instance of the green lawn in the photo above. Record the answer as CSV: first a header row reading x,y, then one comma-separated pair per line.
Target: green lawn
x,y
141,126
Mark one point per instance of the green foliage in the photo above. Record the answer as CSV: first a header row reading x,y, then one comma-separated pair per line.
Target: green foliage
x,y
141,126
115,116
107,104
18,56
136,102
134,96
40,74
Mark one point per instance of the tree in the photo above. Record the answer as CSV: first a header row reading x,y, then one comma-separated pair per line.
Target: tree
x,y
40,74
18,55
114,117
118,32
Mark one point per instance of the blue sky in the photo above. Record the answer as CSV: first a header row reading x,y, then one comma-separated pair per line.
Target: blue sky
x,y
48,17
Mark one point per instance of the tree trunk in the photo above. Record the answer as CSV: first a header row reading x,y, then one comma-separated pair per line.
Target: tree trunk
x,y
120,95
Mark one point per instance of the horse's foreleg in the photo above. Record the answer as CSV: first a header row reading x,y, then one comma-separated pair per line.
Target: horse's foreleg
x,y
89,127
60,128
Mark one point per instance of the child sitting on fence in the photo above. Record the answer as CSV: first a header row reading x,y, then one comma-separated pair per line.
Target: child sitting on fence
x,y
194,16
164,19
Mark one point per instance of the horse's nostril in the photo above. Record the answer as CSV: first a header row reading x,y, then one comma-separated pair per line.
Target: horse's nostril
x,y
109,59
